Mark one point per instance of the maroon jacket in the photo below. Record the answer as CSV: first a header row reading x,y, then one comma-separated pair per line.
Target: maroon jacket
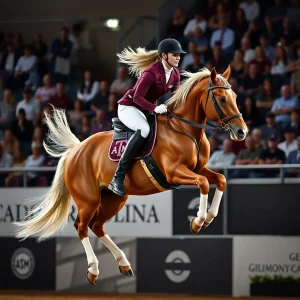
x,y
150,86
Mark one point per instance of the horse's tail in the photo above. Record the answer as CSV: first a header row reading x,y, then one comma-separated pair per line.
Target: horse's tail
x,y
51,213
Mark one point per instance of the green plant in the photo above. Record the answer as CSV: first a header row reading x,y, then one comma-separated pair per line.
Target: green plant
x,y
278,279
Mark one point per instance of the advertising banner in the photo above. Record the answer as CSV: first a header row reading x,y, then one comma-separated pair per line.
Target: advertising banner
x,y
141,216
185,207
191,266
27,265
263,256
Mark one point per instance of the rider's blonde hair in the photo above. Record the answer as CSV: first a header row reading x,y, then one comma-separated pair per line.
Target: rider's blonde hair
x,y
139,59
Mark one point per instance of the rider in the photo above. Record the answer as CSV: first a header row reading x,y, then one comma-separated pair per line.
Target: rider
x,y
157,74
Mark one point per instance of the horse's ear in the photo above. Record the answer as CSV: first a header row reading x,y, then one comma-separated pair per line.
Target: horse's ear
x,y
213,75
227,72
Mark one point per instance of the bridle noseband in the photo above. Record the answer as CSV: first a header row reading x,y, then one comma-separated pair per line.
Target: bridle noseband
x,y
211,125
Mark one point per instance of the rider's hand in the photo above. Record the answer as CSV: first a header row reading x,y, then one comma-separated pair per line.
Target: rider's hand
x,y
161,109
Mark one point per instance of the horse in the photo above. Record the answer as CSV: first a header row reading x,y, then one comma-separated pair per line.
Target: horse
x,y
84,170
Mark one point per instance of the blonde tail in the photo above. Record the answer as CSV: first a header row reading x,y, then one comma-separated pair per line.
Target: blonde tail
x,y
51,213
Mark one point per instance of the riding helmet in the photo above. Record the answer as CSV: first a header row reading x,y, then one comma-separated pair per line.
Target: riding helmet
x,y
170,46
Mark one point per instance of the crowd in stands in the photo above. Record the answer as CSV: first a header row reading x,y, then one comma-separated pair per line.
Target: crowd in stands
x,y
259,39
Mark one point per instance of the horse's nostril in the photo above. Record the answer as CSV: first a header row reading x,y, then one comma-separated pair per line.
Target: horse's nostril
x,y
241,133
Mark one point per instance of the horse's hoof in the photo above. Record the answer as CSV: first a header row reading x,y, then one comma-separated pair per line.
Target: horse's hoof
x,y
194,227
91,278
126,270
205,224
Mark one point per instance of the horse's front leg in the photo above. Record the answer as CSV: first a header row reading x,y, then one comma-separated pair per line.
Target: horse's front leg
x,y
220,181
183,176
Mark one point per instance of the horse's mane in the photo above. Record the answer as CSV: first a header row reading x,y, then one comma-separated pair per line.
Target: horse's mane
x,y
180,96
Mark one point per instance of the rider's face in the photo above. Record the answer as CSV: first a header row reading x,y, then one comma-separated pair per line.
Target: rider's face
x,y
174,59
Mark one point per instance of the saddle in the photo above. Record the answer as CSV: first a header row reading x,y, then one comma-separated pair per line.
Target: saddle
x,y
119,140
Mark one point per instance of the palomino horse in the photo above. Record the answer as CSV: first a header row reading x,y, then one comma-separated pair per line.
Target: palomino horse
x,y
84,171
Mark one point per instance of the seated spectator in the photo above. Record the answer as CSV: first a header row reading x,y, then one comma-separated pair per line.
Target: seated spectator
x,y
248,156
249,53
60,100
101,123
238,65
284,106
295,80
265,44
9,143
258,140
76,114
289,144
40,50
188,58
44,93
26,66
214,144
85,127
31,106
253,33
270,31
178,24
196,65
122,84
270,128
249,112
218,61
112,110
251,8
271,155
222,158
33,161
101,99
16,178
276,12
214,21
23,130
251,83
88,88
261,61
295,121
201,42
198,20
265,99
240,96
240,25
7,110
225,36
38,135
294,158
6,161
288,31
280,63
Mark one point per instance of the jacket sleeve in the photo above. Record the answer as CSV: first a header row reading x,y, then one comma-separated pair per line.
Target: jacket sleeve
x,y
177,81
143,85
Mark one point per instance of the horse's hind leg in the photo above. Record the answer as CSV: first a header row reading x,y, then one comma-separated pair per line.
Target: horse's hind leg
x,y
220,181
111,204
87,198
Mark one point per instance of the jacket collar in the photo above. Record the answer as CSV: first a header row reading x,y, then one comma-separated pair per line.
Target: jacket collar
x,y
163,76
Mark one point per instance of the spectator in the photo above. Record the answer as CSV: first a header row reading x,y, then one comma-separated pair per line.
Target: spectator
x,y
18,44
289,144
6,161
38,135
112,110
295,80
122,84
9,143
261,61
76,114
253,33
249,112
222,158
238,65
88,88
251,84
280,63
44,93
270,128
294,158
85,127
288,31
249,53
276,12
40,50
60,100
61,49
214,21
101,123
240,96
101,99
16,178
33,161
214,144
284,106
74,39
293,11
188,58
240,25
269,30
248,156
196,65
31,106
198,20
258,139
8,64
251,8
295,121
218,61
201,43
264,42
178,24
7,109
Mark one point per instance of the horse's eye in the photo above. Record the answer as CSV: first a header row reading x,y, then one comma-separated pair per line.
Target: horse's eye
x,y
222,100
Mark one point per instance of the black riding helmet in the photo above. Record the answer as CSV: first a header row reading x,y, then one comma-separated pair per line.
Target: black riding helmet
x,y
169,46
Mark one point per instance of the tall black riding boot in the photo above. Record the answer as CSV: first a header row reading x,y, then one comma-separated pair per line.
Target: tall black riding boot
x,y
133,147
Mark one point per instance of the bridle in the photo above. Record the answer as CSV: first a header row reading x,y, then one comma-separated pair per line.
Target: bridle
x,y
211,125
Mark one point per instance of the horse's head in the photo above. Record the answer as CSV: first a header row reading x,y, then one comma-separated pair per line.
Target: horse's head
x,y
220,105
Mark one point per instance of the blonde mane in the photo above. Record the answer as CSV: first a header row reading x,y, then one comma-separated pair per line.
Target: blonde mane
x,y
180,95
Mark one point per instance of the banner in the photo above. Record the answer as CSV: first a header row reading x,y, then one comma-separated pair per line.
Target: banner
x,y
141,216
27,265
192,266
262,256
185,207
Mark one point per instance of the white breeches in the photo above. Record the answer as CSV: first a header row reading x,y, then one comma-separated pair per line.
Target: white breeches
x,y
134,119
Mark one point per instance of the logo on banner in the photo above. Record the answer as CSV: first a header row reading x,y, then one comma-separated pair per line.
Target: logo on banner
x,y
22,263
181,273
